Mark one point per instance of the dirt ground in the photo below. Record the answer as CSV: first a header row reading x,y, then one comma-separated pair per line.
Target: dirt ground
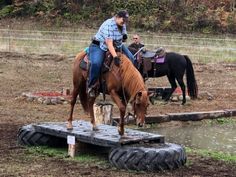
x,y
31,73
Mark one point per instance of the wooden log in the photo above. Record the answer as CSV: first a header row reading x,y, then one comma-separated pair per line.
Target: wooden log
x,y
107,113
103,113
98,115
185,116
71,146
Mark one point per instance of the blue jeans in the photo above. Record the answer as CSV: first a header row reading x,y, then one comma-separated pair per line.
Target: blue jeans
x,y
126,51
96,56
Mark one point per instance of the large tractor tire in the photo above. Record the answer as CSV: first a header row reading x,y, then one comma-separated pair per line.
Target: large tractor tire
x,y
28,136
151,157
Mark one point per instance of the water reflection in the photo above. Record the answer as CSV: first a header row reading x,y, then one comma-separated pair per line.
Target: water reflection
x,y
203,136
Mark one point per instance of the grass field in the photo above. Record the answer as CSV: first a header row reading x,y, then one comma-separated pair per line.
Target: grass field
x,y
200,48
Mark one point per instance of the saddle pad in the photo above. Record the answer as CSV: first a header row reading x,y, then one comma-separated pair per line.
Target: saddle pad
x,y
160,59
84,63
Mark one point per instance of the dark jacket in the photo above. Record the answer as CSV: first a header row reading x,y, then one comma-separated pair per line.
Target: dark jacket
x,y
135,47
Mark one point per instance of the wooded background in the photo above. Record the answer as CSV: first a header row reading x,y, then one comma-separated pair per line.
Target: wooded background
x,y
206,16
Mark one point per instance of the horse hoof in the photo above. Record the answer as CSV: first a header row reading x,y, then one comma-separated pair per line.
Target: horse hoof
x,y
69,127
95,128
121,133
123,136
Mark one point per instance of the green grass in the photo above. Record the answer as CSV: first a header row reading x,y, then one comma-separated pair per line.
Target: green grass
x,y
47,151
222,121
101,161
62,153
229,158
200,48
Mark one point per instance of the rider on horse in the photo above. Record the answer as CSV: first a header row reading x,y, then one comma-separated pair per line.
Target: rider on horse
x,y
109,37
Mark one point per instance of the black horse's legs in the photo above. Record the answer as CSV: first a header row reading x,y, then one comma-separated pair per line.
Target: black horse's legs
x,y
182,85
171,79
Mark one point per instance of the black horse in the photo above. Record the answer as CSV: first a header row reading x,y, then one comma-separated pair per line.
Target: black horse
x,y
174,67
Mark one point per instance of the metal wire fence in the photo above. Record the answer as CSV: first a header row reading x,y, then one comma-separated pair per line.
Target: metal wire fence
x,y
205,49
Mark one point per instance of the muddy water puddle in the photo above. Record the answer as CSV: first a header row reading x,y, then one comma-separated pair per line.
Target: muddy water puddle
x,y
210,135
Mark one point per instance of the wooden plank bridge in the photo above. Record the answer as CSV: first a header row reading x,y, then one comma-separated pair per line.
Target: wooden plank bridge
x,y
106,135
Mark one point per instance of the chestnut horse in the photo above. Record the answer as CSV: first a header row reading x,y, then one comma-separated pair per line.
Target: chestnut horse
x,y
124,84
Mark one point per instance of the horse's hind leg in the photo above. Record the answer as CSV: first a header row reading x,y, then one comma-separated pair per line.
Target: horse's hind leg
x,y
75,93
182,85
91,112
173,84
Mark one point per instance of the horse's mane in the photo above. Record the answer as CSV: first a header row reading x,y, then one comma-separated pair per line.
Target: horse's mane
x,y
131,78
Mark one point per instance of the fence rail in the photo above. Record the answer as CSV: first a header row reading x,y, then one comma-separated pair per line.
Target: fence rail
x,y
213,49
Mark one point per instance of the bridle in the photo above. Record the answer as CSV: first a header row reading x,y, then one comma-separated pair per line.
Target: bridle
x,y
132,101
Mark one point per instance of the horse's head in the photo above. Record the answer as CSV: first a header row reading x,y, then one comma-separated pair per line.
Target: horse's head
x,y
140,104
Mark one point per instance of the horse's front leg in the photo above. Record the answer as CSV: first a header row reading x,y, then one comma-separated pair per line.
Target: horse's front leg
x,y
122,109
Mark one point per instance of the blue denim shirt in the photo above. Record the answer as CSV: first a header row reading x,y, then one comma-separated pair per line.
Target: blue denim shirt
x,y
109,30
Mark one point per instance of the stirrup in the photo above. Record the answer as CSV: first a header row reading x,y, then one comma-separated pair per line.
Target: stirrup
x,y
91,93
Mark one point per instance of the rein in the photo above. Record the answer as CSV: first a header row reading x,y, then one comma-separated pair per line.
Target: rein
x,y
124,96
127,102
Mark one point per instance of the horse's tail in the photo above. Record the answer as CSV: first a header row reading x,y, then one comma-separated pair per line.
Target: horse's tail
x,y
83,97
79,82
191,81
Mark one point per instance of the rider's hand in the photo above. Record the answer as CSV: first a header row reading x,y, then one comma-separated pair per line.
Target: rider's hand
x,y
125,37
116,61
